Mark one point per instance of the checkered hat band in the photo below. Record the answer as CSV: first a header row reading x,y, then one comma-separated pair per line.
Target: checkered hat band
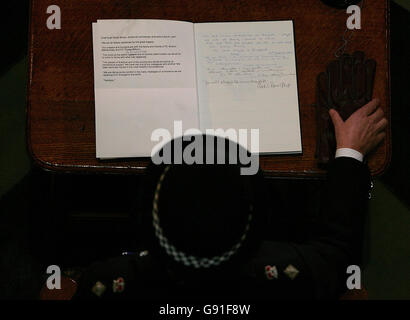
x,y
179,256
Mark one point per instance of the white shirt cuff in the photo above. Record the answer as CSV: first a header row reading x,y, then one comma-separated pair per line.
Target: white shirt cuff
x,y
351,153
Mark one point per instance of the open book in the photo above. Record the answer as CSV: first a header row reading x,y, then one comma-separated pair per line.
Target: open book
x,y
150,73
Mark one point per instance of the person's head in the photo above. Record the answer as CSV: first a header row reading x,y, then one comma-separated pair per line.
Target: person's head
x,y
202,217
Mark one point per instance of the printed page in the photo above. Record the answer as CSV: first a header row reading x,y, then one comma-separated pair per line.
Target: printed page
x,y
144,73
246,75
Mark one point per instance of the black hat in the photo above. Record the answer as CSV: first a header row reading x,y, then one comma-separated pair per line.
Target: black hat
x,y
202,216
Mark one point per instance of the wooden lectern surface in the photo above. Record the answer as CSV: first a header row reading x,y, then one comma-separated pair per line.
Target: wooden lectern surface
x,y
61,126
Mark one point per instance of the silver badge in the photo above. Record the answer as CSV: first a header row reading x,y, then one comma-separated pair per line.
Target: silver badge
x,y
271,272
291,272
98,289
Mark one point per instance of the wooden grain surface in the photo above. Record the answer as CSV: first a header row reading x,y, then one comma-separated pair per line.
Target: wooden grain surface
x,y
60,111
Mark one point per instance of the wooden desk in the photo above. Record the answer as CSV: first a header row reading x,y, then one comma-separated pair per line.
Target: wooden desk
x,y
61,127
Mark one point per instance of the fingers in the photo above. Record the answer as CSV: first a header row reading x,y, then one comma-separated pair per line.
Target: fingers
x,y
336,119
333,72
347,72
380,137
370,107
380,125
370,72
358,81
322,81
378,121
376,116
379,133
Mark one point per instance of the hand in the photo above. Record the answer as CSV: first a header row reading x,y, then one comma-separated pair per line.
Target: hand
x,y
363,130
345,86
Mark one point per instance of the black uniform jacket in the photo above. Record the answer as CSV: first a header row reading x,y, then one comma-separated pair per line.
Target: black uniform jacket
x,y
314,268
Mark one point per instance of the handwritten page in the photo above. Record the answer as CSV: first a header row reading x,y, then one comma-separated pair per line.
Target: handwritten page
x,y
144,74
246,79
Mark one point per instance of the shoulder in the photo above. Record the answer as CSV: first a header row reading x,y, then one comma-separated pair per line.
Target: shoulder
x,y
277,270
117,277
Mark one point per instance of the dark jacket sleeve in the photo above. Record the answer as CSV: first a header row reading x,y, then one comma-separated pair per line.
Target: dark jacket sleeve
x,y
337,241
333,244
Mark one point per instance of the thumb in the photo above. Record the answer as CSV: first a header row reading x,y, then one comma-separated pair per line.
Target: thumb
x,y
336,119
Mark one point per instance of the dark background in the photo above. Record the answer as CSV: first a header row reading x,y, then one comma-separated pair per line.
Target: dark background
x,y
73,220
